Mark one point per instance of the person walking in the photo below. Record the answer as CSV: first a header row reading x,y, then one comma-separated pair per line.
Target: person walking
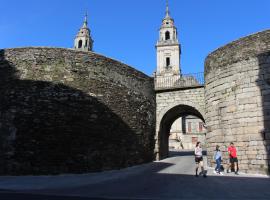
x,y
180,142
218,158
233,159
199,159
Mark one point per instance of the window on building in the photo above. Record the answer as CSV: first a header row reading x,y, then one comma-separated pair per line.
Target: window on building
x,y
167,35
200,126
86,43
189,127
168,62
80,44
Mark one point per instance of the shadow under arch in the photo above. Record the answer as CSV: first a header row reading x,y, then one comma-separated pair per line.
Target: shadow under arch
x,y
166,122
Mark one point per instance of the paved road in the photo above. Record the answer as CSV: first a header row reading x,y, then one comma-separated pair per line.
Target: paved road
x,y
169,179
19,196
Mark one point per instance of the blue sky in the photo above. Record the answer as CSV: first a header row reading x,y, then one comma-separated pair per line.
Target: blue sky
x,y
127,30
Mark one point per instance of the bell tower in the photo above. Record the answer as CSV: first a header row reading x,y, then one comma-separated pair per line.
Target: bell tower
x,y
83,40
168,50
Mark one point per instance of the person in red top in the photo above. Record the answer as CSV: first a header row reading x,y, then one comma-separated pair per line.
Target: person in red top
x,y
233,158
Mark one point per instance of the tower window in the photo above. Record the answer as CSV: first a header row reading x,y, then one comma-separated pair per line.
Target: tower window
x,y
168,62
86,43
167,35
80,44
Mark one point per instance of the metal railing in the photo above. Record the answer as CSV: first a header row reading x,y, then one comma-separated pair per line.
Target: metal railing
x,y
183,81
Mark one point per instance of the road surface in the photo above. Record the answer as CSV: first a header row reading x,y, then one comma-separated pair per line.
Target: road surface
x,y
169,179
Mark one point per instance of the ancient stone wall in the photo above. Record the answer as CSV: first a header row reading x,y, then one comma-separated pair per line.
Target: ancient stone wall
x,y
186,100
68,111
165,100
237,95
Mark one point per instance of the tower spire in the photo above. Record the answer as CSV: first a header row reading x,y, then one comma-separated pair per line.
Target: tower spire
x,y
85,22
168,49
83,40
167,9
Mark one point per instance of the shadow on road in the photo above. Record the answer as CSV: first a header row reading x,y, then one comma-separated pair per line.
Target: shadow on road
x,y
158,180
181,186
17,196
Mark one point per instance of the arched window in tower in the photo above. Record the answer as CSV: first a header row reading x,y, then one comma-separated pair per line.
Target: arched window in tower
x,y
168,62
80,44
86,43
167,35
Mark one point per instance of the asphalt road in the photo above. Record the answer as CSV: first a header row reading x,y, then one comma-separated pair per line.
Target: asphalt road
x,y
4,195
169,179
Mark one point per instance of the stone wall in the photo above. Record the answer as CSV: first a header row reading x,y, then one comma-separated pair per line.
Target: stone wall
x,y
68,111
172,104
194,96
237,95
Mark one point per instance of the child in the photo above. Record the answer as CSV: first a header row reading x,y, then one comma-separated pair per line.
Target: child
x,y
217,158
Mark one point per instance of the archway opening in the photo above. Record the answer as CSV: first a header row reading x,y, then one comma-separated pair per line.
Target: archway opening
x,y
190,115
80,44
168,62
167,35
185,132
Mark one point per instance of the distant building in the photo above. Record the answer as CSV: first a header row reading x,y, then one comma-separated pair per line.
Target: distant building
x,y
189,129
83,40
168,52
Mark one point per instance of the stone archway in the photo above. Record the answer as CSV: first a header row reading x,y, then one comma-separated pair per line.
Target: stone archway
x,y
165,119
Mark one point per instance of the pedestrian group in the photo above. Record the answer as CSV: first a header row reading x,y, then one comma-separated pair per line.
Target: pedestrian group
x,y
232,164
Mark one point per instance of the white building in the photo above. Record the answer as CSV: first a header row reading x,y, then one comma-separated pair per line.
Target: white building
x,y
83,40
168,52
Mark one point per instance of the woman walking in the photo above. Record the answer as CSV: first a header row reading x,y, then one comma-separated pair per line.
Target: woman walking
x,y
199,159
217,158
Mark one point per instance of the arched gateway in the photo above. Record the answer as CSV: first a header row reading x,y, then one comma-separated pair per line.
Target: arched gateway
x,y
167,116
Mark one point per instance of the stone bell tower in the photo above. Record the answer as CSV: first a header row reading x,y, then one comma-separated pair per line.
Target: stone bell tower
x,y
83,40
168,51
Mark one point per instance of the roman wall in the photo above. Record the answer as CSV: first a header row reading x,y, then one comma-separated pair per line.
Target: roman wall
x,y
237,96
68,111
